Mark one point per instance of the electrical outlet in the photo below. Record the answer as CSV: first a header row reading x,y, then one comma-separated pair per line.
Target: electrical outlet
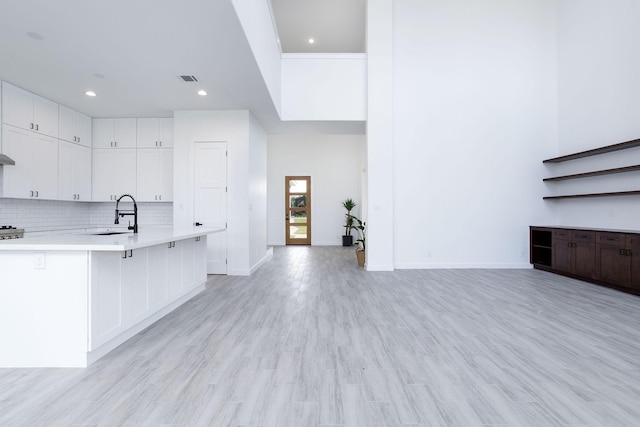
x,y
40,261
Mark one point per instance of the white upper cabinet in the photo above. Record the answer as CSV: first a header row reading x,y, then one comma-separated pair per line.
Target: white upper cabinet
x,y
113,174
35,174
114,133
155,175
155,133
74,126
74,178
28,111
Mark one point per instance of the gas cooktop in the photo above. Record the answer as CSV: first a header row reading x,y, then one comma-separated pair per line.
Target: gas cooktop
x,y
10,232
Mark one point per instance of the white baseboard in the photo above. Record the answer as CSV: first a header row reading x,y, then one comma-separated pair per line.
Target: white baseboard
x,y
110,345
267,256
453,266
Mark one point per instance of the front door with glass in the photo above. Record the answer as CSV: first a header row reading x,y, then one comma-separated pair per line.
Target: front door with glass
x,y
298,210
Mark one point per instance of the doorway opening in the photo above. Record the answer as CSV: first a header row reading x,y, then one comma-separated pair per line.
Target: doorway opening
x,y
298,210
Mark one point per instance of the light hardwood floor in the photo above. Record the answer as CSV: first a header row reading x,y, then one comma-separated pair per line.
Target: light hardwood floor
x,y
312,340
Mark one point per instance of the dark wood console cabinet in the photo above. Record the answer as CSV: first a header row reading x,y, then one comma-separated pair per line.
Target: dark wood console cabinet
x,y
606,257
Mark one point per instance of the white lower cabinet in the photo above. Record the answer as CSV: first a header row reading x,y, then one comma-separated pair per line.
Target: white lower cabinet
x,y
158,262
35,174
106,298
119,293
74,178
113,174
129,287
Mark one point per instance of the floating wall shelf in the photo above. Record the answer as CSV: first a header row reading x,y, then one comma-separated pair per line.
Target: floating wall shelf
x,y
594,152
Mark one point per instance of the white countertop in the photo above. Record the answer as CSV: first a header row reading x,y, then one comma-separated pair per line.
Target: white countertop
x,y
146,236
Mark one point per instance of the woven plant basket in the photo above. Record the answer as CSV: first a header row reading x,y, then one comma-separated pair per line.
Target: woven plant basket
x,y
360,257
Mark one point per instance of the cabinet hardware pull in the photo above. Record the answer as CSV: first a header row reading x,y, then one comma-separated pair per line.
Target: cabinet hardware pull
x,y
31,194
622,252
160,197
568,244
31,126
628,252
37,127
78,139
160,143
197,238
37,193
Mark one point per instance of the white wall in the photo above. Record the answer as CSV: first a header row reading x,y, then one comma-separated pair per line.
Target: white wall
x,y
474,113
379,210
257,193
232,127
334,163
598,105
255,18
324,87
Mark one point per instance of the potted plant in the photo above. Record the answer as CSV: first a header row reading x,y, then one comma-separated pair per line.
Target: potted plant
x,y
360,251
347,238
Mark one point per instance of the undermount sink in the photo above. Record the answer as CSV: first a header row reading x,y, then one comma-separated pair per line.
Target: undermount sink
x,y
110,233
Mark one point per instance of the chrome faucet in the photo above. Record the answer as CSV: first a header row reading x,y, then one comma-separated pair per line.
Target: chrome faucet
x,y
120,213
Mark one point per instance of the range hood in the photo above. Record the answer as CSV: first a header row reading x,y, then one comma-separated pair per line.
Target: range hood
x,y
6,160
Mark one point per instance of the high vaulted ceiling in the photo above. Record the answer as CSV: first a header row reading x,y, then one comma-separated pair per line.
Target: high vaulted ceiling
x,y
132,52
334,25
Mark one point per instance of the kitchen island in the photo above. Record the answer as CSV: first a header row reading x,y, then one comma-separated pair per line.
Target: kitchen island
x,y
67,300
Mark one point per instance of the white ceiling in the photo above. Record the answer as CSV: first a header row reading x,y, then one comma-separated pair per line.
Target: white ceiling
x,y
132,52
335,25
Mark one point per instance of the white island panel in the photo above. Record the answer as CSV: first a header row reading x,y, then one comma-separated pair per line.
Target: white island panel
x,y
68,308
43,309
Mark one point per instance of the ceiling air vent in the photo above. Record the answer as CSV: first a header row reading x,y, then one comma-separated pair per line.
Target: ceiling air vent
x,y
189,78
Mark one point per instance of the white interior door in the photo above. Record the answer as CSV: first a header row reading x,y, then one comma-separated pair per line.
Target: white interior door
x,y
210,201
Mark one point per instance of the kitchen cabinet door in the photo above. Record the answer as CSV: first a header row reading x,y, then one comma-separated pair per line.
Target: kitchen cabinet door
x,y
155,133
107,317
135,283
44,167
585,259
74,127
17,106
16,181
188,263
74,181
125,172
45,116
35,174
155,175
158,279
562,255
28,111
114,174
114,133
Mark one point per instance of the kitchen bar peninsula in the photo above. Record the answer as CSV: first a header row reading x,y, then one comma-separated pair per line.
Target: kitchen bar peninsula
x,y
67,300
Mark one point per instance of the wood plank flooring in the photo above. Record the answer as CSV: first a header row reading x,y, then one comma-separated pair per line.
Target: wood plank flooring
x,y
312,340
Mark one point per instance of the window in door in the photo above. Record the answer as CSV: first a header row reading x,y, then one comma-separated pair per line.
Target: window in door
x,y
298,210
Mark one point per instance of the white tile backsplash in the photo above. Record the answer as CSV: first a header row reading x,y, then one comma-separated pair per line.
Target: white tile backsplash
x,y
148,213
49,213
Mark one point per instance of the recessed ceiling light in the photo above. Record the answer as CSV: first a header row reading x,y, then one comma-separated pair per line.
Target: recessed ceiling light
x,y
99,76
312,40
90,93
202,92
